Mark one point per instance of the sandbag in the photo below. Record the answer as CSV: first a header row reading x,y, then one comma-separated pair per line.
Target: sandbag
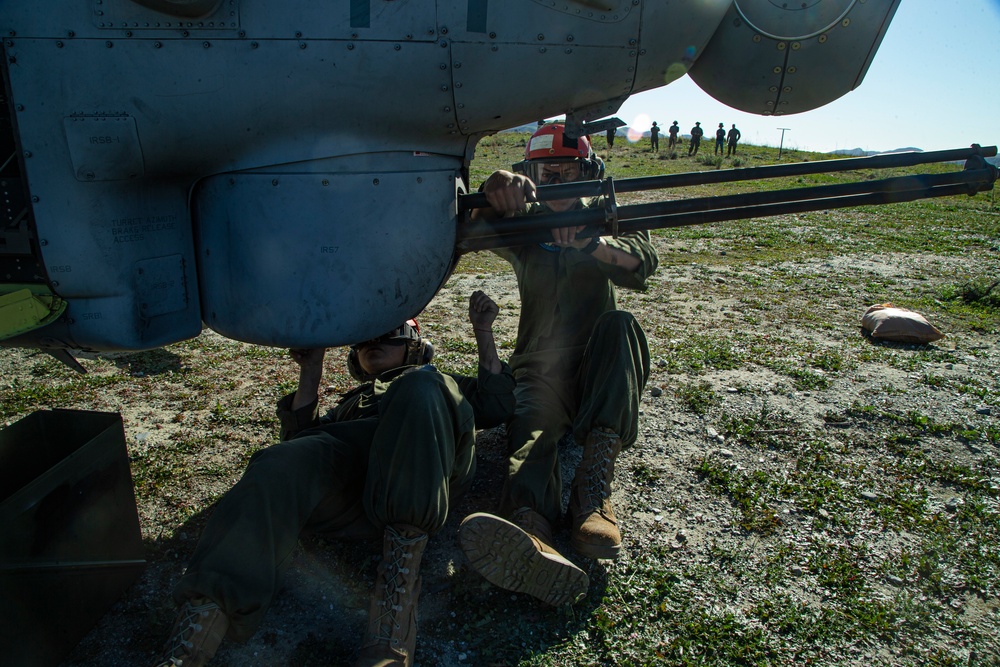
x,y
886,322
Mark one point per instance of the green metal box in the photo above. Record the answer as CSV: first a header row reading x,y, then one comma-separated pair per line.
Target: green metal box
x,y
70,542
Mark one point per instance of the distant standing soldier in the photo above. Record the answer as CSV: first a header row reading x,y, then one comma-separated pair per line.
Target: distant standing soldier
x,y
654,136
720,139
696,135
672,131
733,138
610,135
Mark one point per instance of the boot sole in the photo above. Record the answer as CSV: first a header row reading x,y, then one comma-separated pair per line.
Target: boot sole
x,y
507,557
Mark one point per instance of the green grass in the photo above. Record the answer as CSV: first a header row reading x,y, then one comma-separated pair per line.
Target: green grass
x,y
802,580
696,397
836,484
936,226
56,386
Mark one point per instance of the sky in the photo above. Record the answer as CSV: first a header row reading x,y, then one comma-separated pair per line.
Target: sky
x,y
934,84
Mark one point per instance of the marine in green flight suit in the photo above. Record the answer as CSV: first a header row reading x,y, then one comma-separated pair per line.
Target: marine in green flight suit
x,y
387,461
580,364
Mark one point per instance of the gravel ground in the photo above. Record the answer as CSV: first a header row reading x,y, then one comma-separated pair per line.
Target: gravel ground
x,y
660,498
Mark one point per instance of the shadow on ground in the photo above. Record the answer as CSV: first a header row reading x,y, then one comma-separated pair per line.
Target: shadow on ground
x,y
321,611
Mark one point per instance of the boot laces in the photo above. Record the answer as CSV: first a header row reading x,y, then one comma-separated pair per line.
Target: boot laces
x,y
395,586
597,482
179,645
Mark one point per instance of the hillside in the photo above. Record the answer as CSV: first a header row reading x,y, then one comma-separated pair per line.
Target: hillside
x,y
850,152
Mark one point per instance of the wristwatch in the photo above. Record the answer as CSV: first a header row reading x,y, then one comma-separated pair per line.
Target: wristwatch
x,y
595,243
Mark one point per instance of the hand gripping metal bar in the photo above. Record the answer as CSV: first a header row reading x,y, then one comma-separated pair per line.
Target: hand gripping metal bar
x,y
977,176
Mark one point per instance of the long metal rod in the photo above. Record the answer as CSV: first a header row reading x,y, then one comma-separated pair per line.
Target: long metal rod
x,y
883,161
973,179
795,204
767,210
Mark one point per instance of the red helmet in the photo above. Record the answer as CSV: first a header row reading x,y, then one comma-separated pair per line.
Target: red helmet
x,y
550,144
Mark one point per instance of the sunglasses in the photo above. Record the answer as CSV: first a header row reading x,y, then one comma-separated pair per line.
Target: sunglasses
x,y
555,177
398,336
383,340
537,172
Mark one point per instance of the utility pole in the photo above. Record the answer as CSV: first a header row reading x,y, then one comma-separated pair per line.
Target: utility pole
x,y
782,140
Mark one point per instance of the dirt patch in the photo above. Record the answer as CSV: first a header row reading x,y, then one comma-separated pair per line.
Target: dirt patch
x,y
215,399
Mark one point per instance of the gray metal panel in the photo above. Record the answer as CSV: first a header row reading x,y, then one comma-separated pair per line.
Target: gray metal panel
x,y
406,20
600,11
483,105
120,322
58,18
799,20
126,14
568,22
92,237
15,234
161,286
103,148
527,59
241,107
313,257
240,104
116,222
674,34
114,323
340,90
755,73
402,20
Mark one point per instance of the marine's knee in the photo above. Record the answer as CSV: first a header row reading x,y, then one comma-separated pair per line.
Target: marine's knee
x,y
619,329
423,388
417,382
290,455
617,322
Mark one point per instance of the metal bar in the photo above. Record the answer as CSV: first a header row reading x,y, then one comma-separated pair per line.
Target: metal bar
x,y
543,193
501,240
896,184
972,179
524,223
884,161
768,210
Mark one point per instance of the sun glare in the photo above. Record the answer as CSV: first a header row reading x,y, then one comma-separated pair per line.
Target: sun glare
x,y
638,125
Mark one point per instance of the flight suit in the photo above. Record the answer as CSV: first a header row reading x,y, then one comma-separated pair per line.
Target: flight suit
x,y
396,450
579,362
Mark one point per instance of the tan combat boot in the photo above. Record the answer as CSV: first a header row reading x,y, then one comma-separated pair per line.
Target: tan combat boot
x,y
518,556
392,616
595,531
196,635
